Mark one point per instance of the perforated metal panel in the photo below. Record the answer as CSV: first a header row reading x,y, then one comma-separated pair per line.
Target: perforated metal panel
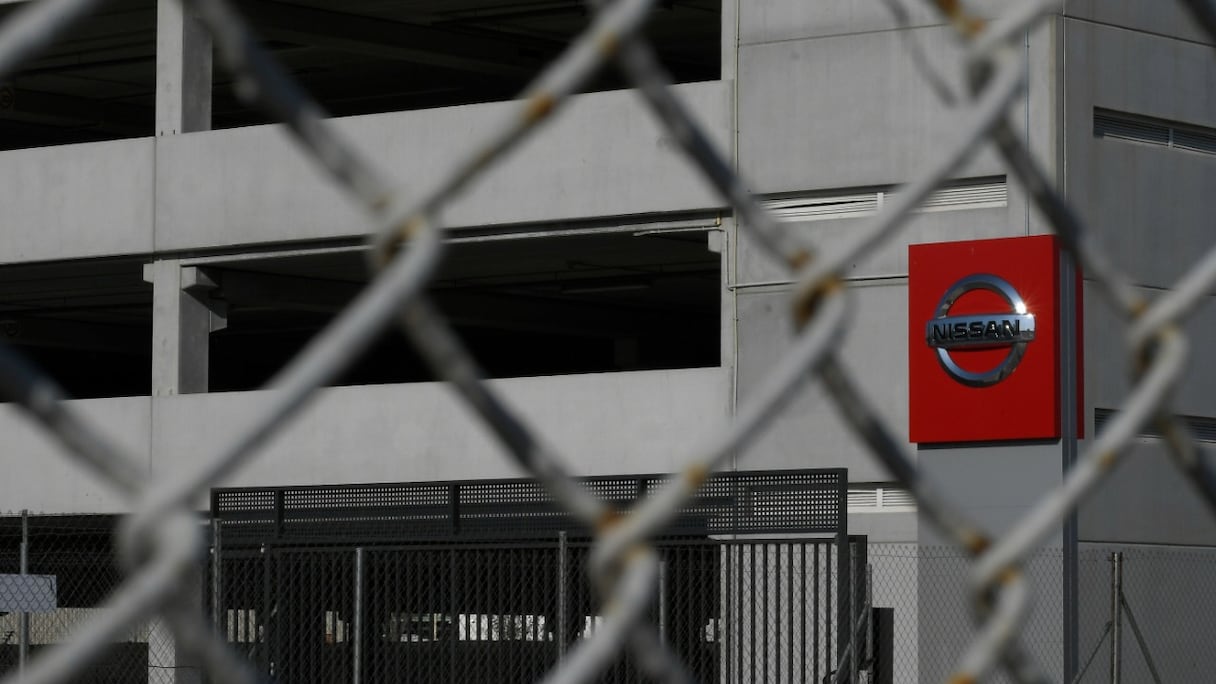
x,y
766,502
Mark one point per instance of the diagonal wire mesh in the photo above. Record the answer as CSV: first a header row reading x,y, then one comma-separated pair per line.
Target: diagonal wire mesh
x,y
159,540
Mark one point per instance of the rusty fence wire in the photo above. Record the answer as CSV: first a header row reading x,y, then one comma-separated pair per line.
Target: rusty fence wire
x,y
159,543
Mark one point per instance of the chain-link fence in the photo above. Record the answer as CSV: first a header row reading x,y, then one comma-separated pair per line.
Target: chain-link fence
x,y
159,544
56,571
1161,625
1167,611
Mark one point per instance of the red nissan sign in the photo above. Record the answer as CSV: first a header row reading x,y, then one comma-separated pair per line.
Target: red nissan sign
x,y
984,360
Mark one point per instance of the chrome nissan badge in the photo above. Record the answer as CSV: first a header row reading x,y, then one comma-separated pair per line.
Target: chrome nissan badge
x,y
980,331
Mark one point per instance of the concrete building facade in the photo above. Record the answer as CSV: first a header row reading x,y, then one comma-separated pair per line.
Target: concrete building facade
x,y
166,266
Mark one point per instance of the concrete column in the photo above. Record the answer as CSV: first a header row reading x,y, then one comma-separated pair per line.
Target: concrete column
x,y
183,317
183,71
996,485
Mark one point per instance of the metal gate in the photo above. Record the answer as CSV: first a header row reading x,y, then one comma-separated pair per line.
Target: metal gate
x,y
315,584
735,610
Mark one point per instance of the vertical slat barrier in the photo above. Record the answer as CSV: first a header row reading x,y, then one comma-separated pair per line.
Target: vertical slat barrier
x,y
23,625
766,610
274,635
563,582
734,610
789,600
357,621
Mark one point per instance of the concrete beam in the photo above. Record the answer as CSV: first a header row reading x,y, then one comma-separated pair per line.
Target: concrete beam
x,y
183,71
390,40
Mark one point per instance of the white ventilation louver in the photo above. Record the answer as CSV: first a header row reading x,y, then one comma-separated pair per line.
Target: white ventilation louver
x,y
978,196
863,499
957,197
893,497
821,208
880,499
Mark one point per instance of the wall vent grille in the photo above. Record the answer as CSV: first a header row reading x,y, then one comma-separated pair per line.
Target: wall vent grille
x,y
879,498
1156,132
1203,428
977,193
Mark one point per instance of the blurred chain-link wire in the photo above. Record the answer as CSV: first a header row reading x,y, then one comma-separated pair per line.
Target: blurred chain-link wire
x,y
159,542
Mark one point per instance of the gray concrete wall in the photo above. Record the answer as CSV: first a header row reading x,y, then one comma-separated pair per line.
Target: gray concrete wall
x,y
809,433
608,423
39,477
602,156
76,201
1147,501
1151,208
842,111
1152,205
996,486
829,99
829,96
784,20
884,528
1108,370
1147,16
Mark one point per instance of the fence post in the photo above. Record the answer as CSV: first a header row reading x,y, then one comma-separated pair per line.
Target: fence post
x,y
1116,617
853,640
357,620
882,627
663,601
268,635
217,601
23,625
562,580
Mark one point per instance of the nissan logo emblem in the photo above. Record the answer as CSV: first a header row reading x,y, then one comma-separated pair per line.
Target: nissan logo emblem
x,y
1013,329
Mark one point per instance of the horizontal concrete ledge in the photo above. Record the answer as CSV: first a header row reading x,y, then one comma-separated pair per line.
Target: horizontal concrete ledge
x,y
602,155
73,201
609,423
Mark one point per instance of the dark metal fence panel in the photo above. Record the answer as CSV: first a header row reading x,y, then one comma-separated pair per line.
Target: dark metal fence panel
x,y
738,502
311,604
488,580
459,614
742,610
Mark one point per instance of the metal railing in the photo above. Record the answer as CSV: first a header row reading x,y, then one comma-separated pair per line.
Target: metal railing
x,y
160,540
